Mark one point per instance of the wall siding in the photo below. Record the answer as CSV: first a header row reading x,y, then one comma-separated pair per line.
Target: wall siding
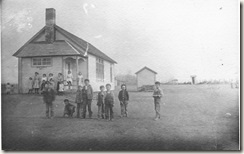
x,y
145,77
28,70
41,37
92,73
88,68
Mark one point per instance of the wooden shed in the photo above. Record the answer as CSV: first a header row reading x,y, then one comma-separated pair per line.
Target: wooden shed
x,y
145,76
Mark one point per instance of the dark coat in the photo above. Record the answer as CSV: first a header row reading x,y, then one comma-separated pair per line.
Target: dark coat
x,y
100,98
109,98
79,98
69,109
126,96
48,95
87,93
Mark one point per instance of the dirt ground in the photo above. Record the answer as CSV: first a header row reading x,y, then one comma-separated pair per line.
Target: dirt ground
x,y
193,118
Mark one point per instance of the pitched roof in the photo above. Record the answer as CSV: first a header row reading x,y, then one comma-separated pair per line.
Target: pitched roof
x,y
84,45
75,43
57,48
147,69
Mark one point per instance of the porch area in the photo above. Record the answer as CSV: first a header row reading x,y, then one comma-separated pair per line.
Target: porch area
x,y
76,65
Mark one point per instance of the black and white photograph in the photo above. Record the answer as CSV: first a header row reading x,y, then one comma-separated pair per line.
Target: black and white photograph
x,y
120,75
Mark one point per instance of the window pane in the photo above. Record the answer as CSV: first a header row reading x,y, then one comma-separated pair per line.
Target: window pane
x,y
41,61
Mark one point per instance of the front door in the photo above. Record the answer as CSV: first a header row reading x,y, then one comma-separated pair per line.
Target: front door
x,y
70,65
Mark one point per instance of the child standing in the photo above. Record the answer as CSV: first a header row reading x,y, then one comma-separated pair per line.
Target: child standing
x,y
59,80
48,98
44,79
109,103
12,89
79,101
61,88
36,81
50,77
69,79
30,85
52,83
8,88
80,79
157,94
87,95
100,103
123,98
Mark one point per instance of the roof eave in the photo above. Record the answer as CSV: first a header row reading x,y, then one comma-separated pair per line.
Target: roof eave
x,y
31,39
112,61
51,56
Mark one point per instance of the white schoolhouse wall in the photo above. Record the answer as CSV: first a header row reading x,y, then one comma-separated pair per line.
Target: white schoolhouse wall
x,y
92,73
29,71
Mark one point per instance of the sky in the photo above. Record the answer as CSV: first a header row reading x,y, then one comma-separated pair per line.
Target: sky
x,y
175,38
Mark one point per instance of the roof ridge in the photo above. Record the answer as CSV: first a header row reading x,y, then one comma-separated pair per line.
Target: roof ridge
x,y
77,42
58,27
146,68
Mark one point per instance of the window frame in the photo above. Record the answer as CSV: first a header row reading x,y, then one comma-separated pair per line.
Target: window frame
x,y
41,60
100,69
111,72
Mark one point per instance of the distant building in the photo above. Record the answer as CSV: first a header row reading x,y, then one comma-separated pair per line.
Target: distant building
x,y
55,50
193,79
145,76
174,81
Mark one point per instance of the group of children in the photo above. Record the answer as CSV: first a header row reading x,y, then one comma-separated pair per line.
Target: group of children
x,y
9,88
35,84
105,101
84,96
38,83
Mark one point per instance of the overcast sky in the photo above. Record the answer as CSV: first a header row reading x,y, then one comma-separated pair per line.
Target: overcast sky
x,y
176,38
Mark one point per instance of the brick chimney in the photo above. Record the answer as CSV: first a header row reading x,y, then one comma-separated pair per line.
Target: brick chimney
x,y
50,22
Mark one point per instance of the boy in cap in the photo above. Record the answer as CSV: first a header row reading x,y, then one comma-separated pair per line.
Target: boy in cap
x,y
100,103
123,98
109,103
87,95
157,94
48,98
69,109
79,102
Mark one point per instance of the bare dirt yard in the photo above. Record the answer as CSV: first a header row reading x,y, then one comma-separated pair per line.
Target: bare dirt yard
x,y
194,117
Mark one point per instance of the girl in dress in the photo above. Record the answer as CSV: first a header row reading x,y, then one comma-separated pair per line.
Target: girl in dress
x,y
36,81
69,79
61,88
50,77
8,88
60,79
80,79
30,85
44,80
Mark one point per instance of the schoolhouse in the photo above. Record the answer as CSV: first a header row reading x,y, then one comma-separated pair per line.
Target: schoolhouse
x,y
145,76
55,50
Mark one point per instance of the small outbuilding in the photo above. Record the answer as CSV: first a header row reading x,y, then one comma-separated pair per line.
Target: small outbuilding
x,y
145,76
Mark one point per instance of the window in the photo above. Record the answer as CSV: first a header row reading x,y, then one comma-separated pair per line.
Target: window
x,y
41,61
99,69
111,73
